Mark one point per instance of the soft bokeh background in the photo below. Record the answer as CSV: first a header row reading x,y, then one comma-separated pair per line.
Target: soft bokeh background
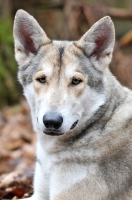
x,y
61,19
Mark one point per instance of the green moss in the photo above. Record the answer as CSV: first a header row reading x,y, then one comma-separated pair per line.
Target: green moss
x,y
8,69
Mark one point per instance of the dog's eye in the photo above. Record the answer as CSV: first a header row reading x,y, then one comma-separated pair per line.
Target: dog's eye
x,y
41,79
76,81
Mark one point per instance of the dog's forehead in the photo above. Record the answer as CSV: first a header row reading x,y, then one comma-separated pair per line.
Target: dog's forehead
x,y
61,55
56,57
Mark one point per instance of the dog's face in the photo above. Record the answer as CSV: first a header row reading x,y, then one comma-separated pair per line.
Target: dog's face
x,y
64,82
60,90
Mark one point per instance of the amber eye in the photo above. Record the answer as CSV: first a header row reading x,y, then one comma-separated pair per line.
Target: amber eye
x,y
41,79
76,81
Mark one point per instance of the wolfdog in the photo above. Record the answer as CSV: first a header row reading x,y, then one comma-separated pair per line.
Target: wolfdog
x,y
81,114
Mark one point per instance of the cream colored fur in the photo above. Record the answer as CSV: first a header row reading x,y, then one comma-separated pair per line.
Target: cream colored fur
x,y
92,158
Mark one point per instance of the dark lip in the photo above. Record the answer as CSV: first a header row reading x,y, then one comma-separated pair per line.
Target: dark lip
x,y
74,124
53,133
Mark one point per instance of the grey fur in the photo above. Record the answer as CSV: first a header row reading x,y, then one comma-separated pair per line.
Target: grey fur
x,y
93,161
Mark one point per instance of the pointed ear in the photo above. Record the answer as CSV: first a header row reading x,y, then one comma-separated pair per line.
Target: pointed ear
x,y
98,41
28,36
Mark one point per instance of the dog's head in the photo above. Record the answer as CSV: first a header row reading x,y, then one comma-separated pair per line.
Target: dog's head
x,y
64,81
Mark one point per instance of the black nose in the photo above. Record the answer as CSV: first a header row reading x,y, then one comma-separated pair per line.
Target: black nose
x,y
52,120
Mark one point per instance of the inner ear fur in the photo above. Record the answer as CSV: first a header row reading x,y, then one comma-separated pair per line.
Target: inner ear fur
x,y
99,40
28,35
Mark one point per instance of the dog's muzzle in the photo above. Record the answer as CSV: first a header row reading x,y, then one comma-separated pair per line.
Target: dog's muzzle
x,y
53,122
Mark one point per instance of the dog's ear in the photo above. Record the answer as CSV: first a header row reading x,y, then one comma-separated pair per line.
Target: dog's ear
x,y
28,36
98,41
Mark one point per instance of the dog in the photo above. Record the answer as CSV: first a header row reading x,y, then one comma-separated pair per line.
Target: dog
x,y
81,114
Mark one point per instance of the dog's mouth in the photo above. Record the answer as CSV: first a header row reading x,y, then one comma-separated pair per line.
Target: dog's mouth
x,y
53,132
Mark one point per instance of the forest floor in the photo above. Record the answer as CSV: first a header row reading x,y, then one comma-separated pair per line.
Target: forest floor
x,y
17,152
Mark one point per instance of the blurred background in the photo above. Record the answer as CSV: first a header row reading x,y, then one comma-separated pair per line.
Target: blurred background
x,y
64,20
